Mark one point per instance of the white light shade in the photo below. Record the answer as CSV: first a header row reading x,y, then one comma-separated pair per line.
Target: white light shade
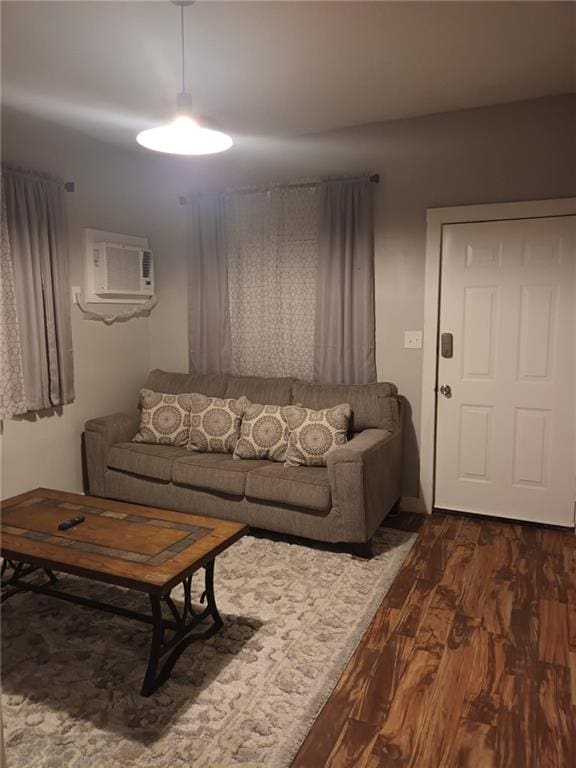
x,y
183,136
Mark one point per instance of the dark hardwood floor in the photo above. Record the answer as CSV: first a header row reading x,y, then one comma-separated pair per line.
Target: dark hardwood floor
x,y
470,661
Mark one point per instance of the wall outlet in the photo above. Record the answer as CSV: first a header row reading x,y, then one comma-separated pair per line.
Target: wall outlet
x,y
412,339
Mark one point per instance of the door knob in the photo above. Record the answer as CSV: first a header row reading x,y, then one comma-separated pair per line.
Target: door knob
x,y
446,390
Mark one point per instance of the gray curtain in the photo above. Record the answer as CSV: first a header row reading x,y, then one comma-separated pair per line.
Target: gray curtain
x,y
36,226
208,306
344,345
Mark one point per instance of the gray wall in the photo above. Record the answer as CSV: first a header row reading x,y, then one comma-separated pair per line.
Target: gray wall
x,y
521,151
513,152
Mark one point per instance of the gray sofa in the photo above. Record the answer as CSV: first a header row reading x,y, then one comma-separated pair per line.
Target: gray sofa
x,y
343,502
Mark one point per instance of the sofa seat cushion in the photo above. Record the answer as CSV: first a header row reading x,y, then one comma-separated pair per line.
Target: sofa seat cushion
x,y
217,472
306,487
144,459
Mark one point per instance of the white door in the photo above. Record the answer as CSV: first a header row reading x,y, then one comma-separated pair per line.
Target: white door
x,y
506,427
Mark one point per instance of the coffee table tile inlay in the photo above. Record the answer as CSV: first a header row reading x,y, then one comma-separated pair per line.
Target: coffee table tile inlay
x,y
142,548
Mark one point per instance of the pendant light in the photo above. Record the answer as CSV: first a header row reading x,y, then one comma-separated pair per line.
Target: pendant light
x,y
184,135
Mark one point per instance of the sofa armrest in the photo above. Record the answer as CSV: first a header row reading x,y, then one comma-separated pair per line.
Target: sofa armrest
x,y
100,434
365,477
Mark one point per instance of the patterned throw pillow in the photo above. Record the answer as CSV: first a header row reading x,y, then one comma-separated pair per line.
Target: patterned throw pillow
x,y
313,434
264,433
215,423
165,418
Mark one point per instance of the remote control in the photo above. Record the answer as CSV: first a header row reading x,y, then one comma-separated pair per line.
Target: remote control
x,y
69,523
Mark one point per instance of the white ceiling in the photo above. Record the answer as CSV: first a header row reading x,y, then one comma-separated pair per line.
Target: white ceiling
x,y
280,68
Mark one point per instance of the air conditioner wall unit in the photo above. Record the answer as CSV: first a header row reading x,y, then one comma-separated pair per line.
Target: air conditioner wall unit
x,y
119,269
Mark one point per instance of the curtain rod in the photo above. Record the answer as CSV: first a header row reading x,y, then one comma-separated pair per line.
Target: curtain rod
x,y
374,178
69,186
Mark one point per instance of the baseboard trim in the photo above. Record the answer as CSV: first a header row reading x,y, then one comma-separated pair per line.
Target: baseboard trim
x,y
412,504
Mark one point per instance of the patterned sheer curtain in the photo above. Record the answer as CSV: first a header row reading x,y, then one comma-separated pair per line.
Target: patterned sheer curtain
x,y
12,398
272,258
36,302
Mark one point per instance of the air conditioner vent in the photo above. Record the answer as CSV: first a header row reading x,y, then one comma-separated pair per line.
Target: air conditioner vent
x,y
122,269
146,264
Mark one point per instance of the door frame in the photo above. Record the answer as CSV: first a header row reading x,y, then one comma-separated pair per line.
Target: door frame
x,y
436,218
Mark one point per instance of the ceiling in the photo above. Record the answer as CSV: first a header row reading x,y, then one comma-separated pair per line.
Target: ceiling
x,y
280,68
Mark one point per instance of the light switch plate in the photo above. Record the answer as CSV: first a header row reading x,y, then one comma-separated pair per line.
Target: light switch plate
x,y
412,339
75,291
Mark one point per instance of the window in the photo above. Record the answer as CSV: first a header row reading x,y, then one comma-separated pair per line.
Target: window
x,y
272,262
281,282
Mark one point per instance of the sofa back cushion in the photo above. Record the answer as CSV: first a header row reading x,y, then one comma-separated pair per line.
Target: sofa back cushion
x,y
212,385
374,406
273,391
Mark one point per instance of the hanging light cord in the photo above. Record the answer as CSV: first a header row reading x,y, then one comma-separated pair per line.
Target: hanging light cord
x,y
182,41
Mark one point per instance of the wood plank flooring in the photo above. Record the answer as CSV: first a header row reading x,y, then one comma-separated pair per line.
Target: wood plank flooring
x,y
470,661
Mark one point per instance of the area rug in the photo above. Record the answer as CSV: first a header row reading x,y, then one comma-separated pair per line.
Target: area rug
x,y
246,697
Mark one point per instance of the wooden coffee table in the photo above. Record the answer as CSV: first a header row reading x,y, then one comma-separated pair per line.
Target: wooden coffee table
x,y
142,548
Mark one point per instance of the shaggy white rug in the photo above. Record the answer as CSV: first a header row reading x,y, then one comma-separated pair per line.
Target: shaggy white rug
x,y
246,697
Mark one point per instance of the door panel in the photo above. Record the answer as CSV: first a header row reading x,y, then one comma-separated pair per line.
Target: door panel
x,y
531,450
536,325
479,332
474,450
505,435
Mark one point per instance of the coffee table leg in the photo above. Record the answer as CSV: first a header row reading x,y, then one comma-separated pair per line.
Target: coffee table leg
x,y
210,596
182,636
151,682
10,586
